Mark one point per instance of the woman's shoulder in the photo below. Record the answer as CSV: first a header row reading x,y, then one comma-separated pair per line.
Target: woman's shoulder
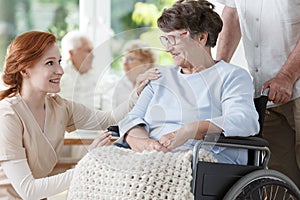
x,y
165,71
56,99
9,102
10,106
230,69
58,102
168,68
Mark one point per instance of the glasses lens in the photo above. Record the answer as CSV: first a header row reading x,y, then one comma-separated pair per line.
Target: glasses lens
x,y
172,39
163,40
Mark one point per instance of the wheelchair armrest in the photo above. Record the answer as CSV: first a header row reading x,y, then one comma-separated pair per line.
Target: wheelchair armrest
x,y
251,140
254,143
251,143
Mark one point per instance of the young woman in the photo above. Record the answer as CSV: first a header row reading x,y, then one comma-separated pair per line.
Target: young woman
x,y
34,119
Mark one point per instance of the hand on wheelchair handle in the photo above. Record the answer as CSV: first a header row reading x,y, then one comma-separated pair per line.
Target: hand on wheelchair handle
x,y
281,89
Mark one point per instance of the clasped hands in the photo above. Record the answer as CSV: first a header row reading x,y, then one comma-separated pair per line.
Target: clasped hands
x,y
138,139
140,144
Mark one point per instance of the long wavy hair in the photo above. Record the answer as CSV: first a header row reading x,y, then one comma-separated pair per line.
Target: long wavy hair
x,y
24,51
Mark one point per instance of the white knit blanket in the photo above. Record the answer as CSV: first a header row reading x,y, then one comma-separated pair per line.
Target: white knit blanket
x,y
116,173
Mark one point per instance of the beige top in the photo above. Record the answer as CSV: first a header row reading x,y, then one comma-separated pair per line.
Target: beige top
x,y
22,138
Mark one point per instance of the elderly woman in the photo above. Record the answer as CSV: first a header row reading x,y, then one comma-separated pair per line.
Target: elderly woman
x,y
196,96
138,58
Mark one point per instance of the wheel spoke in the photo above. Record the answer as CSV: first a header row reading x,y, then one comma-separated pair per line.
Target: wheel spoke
x,y
264,185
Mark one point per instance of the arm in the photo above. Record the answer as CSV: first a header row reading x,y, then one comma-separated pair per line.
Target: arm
x,y
18,172
281,86
141,82
237,107
134,129
195,130
230,35
139,140
84,118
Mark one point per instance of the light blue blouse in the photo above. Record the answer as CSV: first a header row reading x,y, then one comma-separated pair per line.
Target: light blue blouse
x,y
222,94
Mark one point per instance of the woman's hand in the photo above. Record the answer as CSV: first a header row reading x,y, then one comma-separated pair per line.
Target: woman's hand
x,y
174,139
138,140
101,140
180,136
143,79
195,130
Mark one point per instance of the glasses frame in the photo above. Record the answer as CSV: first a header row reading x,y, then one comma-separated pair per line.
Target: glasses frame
x,y
171,39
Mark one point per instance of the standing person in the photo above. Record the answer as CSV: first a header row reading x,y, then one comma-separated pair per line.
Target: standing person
x,y
138,58
196,96
34,119
271,36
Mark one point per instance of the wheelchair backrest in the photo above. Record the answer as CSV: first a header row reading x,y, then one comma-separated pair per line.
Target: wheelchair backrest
x,y
261,105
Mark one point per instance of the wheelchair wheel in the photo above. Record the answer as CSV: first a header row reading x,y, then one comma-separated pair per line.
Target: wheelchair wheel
x,y
263,184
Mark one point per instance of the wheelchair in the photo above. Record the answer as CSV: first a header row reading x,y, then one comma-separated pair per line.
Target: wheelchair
x,y
254,181
214,181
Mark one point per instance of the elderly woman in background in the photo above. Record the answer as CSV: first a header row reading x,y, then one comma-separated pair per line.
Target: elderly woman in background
x,y
196,96
138,58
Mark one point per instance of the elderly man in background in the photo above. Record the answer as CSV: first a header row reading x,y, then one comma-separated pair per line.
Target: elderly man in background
x,y
79,81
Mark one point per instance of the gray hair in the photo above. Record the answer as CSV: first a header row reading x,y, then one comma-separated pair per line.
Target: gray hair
x,y
71,41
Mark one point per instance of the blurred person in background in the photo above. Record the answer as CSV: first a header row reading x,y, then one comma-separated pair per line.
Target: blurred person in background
x,y
79,81
138,58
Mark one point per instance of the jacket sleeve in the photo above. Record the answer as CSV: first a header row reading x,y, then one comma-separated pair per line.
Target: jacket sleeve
x,y
239,116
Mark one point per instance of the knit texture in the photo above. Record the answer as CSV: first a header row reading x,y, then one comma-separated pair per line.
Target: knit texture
x,y
116,173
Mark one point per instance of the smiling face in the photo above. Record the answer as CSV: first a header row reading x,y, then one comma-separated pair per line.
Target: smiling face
x,y
45,75
188,52
177,43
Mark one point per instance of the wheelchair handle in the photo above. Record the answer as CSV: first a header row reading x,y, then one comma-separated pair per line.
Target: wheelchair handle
x,y
266,92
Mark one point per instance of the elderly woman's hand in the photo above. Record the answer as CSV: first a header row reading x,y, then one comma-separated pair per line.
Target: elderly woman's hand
x,y
143,79
180,136
101,140
194,130
138,140
174,139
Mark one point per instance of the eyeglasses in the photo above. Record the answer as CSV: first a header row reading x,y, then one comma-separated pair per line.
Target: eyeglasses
x,y
171,39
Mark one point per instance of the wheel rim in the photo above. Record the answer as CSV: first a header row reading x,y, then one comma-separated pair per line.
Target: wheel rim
x,y
267,189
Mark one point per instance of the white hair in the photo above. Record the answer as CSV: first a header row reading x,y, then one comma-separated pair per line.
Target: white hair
x,y
71,41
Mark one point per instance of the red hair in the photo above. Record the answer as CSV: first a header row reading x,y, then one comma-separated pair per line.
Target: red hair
x,y
23,53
